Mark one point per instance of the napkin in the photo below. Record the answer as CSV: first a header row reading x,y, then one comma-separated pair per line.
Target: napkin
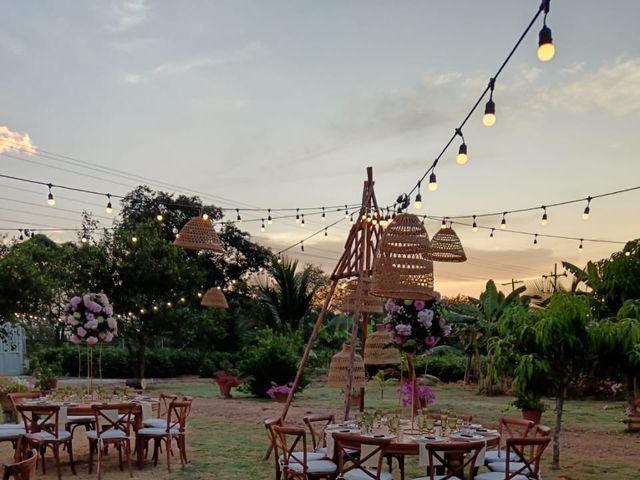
x,y
147,410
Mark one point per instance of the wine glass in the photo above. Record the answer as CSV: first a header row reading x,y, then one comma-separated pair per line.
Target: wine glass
x,y
452,422
429,425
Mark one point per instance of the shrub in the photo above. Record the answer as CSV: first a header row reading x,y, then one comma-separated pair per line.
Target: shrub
x,y
215,361
274,358
446,363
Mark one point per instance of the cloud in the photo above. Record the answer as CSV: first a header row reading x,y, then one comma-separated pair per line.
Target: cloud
x,y
15,142
127,14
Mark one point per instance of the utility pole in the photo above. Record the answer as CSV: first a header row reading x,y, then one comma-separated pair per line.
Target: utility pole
x,y
513,283
555,276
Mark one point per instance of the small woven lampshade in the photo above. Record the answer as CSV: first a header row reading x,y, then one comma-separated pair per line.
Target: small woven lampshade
x,y
402,266
367,302
378,349
214,298
446,247
198,234
339,369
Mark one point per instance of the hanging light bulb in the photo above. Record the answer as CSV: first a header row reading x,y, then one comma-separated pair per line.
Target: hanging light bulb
x,y
269,219
418,203
199,294
462,158
183,300
262,226
580,246
489,117
491,234
325,232
238,217
142,311
50,200
587,210
535,239
544,218
297,215
83,239
279,258
503,223
302,223
474,227
169,305
443,225
21,234
546,50
302,245
109,208
159,217
205,216
323,217
155,308
433,182
346,212
175,230
134,239
627,253
351,219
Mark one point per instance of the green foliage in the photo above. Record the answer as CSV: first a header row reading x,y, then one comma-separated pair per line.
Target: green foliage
x,y
446,363
273,358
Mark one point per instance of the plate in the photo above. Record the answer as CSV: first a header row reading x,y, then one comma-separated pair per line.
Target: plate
x,y
430,438
486,432
467,437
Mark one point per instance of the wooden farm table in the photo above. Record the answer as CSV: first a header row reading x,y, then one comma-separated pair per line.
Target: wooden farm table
x,y
407,445
85,409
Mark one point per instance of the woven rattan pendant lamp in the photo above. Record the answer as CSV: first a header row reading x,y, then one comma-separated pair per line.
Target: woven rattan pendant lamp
x,y
198,234
339,369
378,348
366,303
446,247
402,266
214,298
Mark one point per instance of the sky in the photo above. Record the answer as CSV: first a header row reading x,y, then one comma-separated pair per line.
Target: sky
x,y
283,104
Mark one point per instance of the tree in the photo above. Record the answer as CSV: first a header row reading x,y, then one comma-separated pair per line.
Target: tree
x,y
291,297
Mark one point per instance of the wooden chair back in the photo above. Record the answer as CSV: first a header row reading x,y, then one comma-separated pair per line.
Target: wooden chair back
x,y
17,399
121,421
269,423
292,443
177,416
24,469
317,424
165,400
449,456
514,427
531,467
542,431
40,418
345,443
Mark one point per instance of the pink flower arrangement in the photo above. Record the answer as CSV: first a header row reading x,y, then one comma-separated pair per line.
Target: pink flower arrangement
x,y
89,319
424,392
279,389
416,325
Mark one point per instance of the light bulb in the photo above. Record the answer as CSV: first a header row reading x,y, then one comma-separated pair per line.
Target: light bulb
x,y
83,239
142,311
503,223
433,183
580,246
109,208
491,234
297,215
443,225
182,299
134,239
546,50
155,308
302,223
475,225
269,220
351,219
325,232
489,117
627,253
199,294
262,226
462,154
169,304
346,212
159,217
535,239
324,217
50,200
544,218
205,216
418,203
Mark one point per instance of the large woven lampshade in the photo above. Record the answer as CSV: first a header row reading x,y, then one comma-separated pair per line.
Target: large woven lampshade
x,y
365,303
446,247
402,266
339,369
198,234
379,349
214,298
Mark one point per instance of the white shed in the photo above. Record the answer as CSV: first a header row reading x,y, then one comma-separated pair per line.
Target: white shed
x,y
12,348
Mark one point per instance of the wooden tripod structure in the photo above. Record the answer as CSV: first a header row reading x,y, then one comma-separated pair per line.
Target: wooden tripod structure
x,y
356,261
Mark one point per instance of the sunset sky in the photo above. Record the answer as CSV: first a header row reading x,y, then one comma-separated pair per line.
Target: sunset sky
x,y
285,103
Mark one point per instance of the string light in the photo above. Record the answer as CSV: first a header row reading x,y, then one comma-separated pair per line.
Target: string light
x,y
491,234
21,234
587,210
346,212
279,258
169,305
461,158
324,217
269,219
503,223
535,239
50,200
297,215
183,300
155,308
238,217
544,219
627,253
159,217
142,311
302,246
351,219
205,216
546,50
475,225
580,246
489,118
418,203
302,222
433,182
83,239
325,232
199,294
262,226
443,225
134,239
109,208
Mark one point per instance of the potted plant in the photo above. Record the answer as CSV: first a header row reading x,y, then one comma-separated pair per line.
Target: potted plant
x,y
532,407
225,382
11,385
279,393
46,376
633,416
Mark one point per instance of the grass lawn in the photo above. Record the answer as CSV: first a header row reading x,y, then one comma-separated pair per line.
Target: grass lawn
x,y
227,440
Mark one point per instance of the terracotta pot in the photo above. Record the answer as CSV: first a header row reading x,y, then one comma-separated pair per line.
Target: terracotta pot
x,y
281,397
225,389
633,424
533,415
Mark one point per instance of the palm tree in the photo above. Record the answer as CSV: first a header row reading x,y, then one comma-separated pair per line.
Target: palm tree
x,y
291,297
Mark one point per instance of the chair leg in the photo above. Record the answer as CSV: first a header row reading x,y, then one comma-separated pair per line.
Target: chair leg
x,y
127,446
71,462
43,451
91,447
119,447
141,445
168,442
56,454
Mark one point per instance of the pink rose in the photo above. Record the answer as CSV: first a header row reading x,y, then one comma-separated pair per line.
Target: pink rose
x,y
419,304
81,332
388,306
108,336
92,340
108,310
89,316
92,324
75,339
425,317
75,301
112,324
431,341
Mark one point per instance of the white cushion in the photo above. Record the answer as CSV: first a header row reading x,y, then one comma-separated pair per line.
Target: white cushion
x,y
502,467
157,431
109,434
311,456
156,423
439,477
81,419
317,466
12,426
492,456
497,476
6,434
62,435
360,474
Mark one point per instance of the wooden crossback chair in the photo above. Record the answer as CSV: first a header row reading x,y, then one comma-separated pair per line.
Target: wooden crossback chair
x,y
24,465
447,456
317,425
509,428
173,429
358,463
160,421
269,423
292,442
113,427
17,398
43,431
528,451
